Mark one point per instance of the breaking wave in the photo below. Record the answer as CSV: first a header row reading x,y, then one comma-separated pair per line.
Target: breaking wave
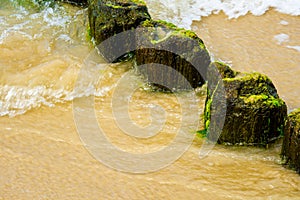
x,y
182,13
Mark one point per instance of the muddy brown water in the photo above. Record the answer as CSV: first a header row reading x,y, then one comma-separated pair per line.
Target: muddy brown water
x,y
42,156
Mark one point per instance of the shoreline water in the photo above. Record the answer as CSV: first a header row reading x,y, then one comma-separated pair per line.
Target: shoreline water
x,y
42,156
249,44
183,13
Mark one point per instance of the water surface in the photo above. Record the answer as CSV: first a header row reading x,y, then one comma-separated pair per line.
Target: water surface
x,y
42,156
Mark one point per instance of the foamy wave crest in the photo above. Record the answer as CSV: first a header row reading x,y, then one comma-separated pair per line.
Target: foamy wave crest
x,y
182,13
41,52
16,100
24,20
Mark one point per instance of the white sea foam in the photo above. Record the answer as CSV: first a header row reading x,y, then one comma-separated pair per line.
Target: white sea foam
x,y
281,38
65,38
283,22
284,38
16,100
13,29
52,23
182,13
47,18
52,19
294,47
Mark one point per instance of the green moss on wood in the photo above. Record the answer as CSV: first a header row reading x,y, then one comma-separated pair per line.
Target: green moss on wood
x,y
113,6
89,34
295,115
248,77
207,113
255,98
171,30
125,3
202,133
138,2
268,100
275,102
225,70
147,23
167,24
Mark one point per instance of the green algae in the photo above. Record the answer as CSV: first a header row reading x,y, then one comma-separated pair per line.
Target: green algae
x,y
202,133
138,2
207,113
225,70
167,24
124,3
295,115
255,98
276,102
172,30
243,76
88,33
248,77
148,23
177,30
268,100
114,6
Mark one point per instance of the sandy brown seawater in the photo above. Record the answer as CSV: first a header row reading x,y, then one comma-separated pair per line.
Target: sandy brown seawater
x,y
42,156
248,44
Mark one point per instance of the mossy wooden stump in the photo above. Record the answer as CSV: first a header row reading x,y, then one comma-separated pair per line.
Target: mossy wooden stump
x,y
254,114
76,2
108,18
169,57
291,142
